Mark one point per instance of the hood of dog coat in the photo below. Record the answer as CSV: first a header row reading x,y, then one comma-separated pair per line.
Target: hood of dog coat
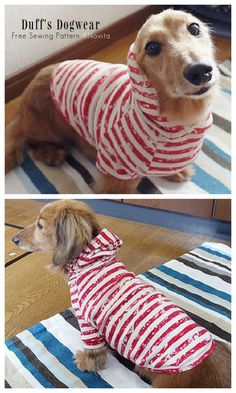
x,y
146,98
104,245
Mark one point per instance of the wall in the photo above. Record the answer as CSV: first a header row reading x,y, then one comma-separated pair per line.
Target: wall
x,y
21,53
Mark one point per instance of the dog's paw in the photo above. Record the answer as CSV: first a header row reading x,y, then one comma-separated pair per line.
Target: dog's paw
x,y
91,360
49,153
184,175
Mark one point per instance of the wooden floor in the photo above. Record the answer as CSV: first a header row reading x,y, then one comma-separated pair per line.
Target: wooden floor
x,y
33,294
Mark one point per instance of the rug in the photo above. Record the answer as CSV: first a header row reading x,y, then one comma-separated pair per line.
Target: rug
x,y
212,167
198,282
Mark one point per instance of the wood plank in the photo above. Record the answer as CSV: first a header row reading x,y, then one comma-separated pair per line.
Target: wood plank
x,y
32,293
222,210
22,211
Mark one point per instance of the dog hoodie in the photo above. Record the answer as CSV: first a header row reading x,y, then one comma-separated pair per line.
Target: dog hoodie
x,y
115,109
114,306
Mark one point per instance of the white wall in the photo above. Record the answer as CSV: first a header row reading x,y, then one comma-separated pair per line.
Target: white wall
x,y
21,53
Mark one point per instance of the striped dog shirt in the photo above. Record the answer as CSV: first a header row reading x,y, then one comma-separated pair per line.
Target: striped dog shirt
x,y
114,306
115,109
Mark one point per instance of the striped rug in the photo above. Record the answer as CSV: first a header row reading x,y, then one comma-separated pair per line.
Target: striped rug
x,y
77,174
42,356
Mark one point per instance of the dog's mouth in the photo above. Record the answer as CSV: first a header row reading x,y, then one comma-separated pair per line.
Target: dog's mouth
x,y
199,92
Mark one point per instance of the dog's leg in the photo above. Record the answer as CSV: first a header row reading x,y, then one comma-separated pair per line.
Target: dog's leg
x,y
14,141
110,185
91,359
181,176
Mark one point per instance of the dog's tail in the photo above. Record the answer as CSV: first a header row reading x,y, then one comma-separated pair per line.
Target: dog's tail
x,y
14,143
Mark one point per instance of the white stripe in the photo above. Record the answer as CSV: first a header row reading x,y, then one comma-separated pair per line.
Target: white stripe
x,y
174,147
220,138
77,178
17,182
21,369
213,258
13,376
210,263
168,187
214,169
173,165
220,247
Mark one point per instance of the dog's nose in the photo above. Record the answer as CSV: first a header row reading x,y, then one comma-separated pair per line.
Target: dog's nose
x,y
198,73
16,240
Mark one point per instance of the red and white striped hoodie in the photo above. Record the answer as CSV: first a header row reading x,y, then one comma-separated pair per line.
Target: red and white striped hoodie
x,y
115,108
114,306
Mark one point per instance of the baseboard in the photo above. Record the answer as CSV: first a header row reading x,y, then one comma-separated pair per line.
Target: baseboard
x,y
167,219
15,85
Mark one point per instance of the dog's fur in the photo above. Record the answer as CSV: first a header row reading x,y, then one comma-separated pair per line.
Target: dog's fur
x,y
66,227
38,126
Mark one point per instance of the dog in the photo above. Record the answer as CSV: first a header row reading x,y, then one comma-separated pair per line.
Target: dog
x,y
146,118
116,309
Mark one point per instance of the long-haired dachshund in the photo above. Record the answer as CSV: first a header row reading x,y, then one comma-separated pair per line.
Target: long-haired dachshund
x,y
146,118
116,309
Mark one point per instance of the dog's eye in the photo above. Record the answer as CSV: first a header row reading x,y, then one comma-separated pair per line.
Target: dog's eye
x,y
194,29
39,225
153,48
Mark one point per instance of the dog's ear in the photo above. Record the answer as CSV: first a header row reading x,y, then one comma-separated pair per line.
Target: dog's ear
x,y
74,231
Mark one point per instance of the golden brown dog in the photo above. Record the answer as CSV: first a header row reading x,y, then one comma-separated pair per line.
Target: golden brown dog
x,y
173,49
66,227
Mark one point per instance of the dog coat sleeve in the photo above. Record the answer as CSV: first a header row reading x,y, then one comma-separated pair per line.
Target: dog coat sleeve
x,y
90,336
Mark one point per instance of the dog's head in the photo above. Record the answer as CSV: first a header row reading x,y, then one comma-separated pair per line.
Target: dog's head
x,y
175,51
64,227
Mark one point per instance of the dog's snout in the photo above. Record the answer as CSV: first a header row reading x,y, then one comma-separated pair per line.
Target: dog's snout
x,y
198,73
16,240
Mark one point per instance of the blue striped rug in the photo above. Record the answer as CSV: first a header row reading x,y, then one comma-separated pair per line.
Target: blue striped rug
x,y
212,167
42,356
